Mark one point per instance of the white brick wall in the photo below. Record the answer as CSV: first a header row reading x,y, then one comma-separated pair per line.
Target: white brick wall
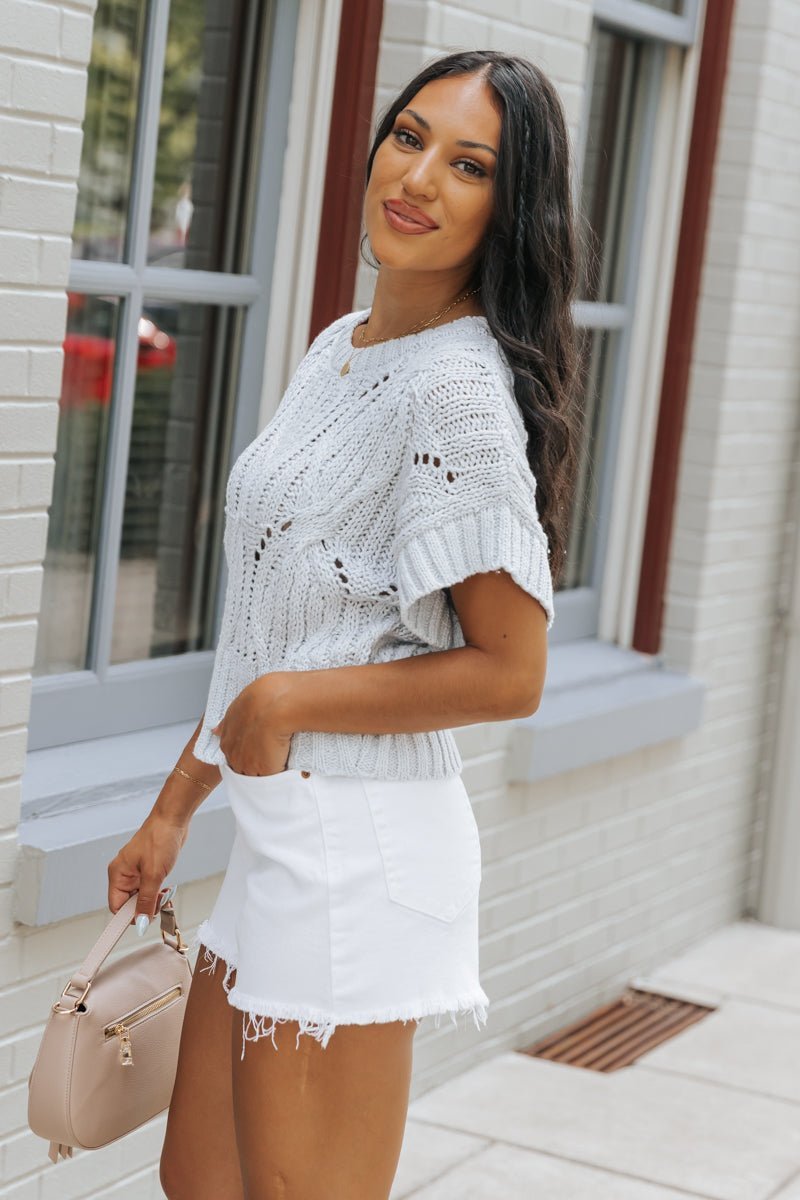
x,y
600,874
591,877
43,53
744,415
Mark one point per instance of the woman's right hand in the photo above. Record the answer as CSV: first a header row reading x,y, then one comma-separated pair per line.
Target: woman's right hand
x,y
143,862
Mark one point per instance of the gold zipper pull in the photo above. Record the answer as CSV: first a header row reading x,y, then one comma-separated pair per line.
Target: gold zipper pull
x,y
125,1050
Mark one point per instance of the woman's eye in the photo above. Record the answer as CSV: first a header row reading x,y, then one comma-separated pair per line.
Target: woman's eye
x,y
399,132
478,169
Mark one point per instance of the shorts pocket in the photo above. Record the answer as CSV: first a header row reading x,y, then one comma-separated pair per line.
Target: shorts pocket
x,y
285,774
265,807
429,843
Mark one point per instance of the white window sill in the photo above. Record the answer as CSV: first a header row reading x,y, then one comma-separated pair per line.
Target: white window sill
x,y
601,701
80,803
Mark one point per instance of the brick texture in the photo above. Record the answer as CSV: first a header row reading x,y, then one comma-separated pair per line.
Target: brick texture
x,y
598,874
44,49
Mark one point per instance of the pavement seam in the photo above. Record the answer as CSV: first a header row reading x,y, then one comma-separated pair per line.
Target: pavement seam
x,y
789,1179
731,1087
578,1162
453,1166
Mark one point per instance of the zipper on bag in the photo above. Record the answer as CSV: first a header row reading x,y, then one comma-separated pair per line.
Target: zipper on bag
x,y
122,1026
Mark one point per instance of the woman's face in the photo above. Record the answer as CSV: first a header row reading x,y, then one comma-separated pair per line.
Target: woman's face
x,y
424,163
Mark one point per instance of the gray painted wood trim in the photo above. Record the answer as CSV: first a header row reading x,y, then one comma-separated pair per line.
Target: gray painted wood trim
x,y
779,883
61,870
83,801
601,701
633,16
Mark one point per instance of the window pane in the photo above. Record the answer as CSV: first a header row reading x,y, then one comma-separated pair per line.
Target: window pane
x,y
206,133
174,495
609,163
73,526
104,185
598,352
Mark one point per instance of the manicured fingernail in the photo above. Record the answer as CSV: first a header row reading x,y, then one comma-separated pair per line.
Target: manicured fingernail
x,y
142,922
169,893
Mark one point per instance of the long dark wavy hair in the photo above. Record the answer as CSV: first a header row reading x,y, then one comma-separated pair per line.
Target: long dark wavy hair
x,y
528,265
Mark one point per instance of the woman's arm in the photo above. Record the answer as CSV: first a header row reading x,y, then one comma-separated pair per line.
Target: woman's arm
x,y
497,675
179,796
145,860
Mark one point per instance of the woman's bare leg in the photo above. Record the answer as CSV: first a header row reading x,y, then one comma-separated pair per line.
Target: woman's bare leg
x,y
314,1124
200,1158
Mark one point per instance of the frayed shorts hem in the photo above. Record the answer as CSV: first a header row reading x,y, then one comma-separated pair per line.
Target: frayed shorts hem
x,y
260,1017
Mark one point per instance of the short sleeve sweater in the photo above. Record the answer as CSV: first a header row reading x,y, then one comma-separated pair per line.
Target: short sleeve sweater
x,y
360,502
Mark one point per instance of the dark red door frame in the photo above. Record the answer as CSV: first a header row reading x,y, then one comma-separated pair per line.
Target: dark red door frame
x,y
348,147
680,335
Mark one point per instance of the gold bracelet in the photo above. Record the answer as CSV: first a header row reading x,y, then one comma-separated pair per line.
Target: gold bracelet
x,y
180,771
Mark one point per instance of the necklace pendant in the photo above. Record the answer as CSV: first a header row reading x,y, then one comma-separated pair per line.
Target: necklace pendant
x,y
345,368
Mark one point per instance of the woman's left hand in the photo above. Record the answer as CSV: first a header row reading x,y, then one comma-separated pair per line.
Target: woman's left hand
x,y
254,734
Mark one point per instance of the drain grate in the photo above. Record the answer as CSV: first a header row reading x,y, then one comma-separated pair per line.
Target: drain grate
x,y
617,1034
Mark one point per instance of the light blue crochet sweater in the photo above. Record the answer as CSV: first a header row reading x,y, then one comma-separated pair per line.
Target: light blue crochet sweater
x,y
363,498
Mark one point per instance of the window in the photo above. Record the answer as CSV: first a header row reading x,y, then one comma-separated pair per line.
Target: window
x,y
179,183
673,21
624,83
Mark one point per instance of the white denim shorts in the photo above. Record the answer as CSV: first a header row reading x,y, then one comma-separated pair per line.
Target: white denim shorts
x,y
347,900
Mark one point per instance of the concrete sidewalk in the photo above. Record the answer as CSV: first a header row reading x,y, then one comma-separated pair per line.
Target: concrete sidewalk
x,y
713,1113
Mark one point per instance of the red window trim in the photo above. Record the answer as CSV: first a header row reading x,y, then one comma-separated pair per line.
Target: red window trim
x,y
345,169
681,330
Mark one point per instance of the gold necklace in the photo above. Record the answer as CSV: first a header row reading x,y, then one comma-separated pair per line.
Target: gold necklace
x,y
416,329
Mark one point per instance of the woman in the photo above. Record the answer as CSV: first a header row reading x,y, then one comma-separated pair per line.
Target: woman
x,y
390,578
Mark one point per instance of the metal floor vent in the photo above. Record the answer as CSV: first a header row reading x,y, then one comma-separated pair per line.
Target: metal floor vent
x,y
617,1034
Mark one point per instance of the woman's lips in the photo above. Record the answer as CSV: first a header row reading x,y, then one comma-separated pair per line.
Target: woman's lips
x,y
403,224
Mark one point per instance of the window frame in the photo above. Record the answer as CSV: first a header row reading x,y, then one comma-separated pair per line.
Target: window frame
x,y
580,608
125,697
639,17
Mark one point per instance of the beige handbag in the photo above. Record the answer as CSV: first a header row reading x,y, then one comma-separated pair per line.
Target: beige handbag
x,y
109,1051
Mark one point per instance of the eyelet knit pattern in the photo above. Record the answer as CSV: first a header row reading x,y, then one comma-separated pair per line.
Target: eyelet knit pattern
x,y
361,501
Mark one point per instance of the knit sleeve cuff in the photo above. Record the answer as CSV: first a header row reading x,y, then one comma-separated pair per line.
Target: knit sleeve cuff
x,y
490,539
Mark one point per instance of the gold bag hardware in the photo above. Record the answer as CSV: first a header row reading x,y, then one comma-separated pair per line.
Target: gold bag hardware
x,y
77,1095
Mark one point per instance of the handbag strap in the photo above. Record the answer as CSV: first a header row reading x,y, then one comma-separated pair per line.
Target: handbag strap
x,y
82,978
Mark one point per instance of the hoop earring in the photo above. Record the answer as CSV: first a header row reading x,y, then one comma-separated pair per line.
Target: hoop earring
x,y
376,263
